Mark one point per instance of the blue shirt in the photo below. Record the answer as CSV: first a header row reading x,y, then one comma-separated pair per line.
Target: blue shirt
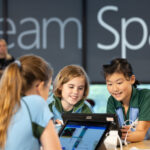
x,y
28,123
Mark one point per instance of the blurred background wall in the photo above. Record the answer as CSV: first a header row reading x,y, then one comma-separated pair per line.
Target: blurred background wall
x,y
85,32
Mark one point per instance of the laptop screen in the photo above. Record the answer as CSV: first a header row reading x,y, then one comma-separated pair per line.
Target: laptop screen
x,y
82,135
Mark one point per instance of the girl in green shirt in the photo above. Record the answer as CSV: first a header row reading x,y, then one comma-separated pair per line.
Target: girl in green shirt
x,y
129,103
70,89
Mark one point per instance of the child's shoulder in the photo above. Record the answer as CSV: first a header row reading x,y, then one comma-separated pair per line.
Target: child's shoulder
x,y
87,107
143,91
50,98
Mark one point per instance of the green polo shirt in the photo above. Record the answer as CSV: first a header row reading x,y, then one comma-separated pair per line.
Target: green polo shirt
x,y
140,99
80,104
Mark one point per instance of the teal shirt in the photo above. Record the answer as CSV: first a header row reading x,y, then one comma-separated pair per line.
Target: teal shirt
x,y
57,109
140,99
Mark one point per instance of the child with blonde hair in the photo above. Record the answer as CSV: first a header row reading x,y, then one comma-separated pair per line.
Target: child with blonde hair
x,y
24,113
70,89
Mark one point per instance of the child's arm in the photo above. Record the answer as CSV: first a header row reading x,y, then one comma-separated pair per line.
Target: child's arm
x,y
49,138
139,134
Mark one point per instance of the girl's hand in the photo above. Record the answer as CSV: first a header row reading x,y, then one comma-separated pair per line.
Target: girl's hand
x,y
125,131
60,122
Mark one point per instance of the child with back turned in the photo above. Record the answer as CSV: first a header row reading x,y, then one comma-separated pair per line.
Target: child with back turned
x,y
132,105
25,120
71,87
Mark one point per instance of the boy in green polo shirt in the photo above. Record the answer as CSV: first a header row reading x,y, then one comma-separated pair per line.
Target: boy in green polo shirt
x,y
130,104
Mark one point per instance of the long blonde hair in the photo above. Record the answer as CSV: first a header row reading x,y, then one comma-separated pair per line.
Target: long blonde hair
x,y
17,78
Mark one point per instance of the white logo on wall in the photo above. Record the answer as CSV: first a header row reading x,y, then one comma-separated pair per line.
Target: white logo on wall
x,y
125,23
42,43
36,31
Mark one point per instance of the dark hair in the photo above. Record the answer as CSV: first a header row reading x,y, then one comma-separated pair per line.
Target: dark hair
x,y
91,102
119,65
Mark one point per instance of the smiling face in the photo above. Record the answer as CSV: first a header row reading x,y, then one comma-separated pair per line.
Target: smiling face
x,y
72,92
120,87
